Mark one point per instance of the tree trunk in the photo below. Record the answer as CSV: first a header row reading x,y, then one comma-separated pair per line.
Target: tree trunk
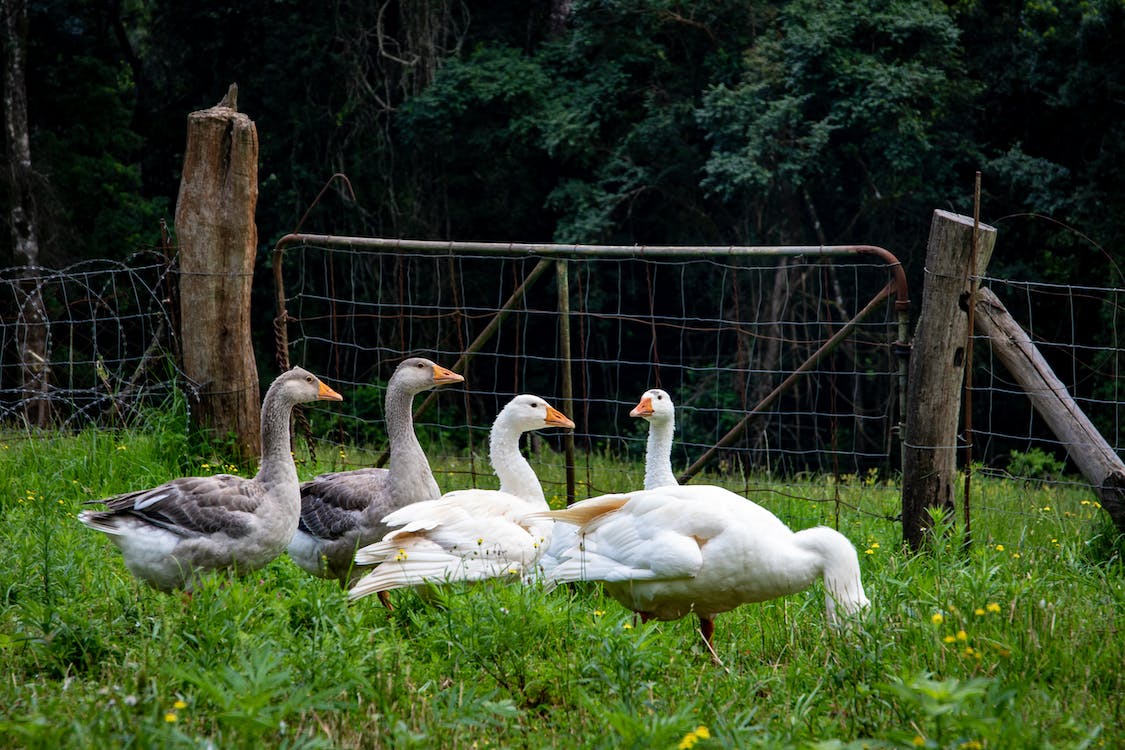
x,y
218,240
1098,462
936,371
34,358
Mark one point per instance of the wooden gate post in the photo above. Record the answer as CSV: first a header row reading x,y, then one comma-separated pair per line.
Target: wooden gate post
x,y
217,242
936,371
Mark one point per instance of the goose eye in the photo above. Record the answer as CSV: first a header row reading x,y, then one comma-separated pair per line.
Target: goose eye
x,y
308,378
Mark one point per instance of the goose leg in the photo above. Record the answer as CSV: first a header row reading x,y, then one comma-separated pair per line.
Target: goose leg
x,y
707,629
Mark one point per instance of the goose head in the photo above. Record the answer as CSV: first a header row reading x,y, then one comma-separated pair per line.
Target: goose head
x,y
418,374
299,386
526,412
655,406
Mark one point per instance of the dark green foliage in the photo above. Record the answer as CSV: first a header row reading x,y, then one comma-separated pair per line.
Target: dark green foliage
x,y
647,121
849,112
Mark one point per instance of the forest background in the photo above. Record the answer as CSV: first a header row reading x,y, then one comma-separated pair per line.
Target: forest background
x,y
608,121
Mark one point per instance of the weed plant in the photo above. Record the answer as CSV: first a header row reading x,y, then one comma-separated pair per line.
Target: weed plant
x,y
1012,641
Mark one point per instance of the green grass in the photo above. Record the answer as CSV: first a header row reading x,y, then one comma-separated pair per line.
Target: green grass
x,y
1017,643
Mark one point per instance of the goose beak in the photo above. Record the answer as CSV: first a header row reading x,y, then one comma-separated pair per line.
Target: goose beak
x,y
643,409
556,418
327,394
443,376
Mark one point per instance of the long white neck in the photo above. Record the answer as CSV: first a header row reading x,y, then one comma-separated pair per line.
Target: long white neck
x,y
277,460
658,455
515,473
843,589
408,469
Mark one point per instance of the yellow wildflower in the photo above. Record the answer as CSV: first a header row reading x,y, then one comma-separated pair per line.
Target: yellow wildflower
x,y
171,717
999,547
978,611
918,740
179,705
692,737
948,639
962,635
992,607
938,618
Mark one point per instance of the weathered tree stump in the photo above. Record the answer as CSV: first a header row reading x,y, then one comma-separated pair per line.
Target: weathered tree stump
x,y
217,242
1091,453
936,371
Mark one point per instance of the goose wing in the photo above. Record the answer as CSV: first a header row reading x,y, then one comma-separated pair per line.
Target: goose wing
x,y
188,507
464,536
334,504
648,537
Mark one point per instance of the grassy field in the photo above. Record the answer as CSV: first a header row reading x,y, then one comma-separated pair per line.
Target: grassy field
x,y
1017,643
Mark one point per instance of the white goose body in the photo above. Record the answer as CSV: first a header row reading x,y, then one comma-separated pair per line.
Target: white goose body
x,y
171,533
673,551
343,511
470,535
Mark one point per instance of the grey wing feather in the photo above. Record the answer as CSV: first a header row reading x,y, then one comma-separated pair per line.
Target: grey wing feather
x,y
332,505
191,506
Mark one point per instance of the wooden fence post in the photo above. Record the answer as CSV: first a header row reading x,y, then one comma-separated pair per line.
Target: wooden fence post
x,y
1092,454
217,242
936,371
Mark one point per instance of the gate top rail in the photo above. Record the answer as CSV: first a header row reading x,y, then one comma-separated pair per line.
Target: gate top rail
x,y
544,249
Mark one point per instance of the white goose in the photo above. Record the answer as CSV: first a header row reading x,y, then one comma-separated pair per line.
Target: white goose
x,y
669,552
656,408
343,511
170,534
470,535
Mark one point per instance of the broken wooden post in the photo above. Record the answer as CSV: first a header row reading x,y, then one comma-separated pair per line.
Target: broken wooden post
x,y
936,371
1092,454
217,241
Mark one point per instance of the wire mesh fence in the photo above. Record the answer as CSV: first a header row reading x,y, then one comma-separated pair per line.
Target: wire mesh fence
x,y
88,344
1078,330
720,331
738,342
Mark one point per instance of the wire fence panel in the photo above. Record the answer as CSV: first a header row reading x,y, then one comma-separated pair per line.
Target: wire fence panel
x,y
719,331
1078,331
736,340
107,334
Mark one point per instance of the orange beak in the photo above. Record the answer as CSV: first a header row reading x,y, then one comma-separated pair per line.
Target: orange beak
x,y
443,376
556,418
327,394
643,409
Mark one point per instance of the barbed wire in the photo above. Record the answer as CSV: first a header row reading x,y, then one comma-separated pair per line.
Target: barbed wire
x,y
97,347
